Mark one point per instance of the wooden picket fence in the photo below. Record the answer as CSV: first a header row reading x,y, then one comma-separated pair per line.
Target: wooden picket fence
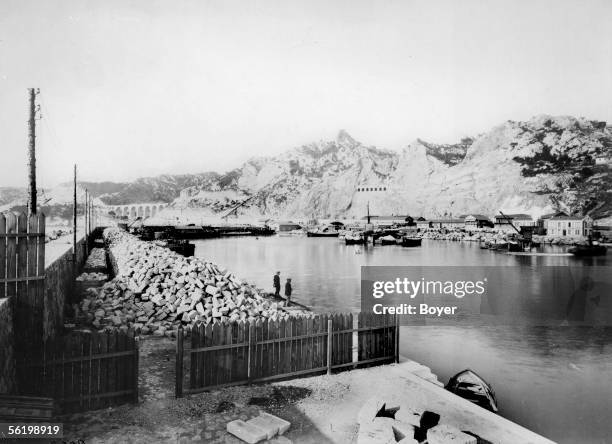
x,y
87,370
225,354
22,274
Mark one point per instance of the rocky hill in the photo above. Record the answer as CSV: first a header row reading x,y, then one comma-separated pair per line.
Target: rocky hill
x,y
542,165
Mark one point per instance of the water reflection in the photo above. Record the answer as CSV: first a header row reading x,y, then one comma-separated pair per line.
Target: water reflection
x,y
553,379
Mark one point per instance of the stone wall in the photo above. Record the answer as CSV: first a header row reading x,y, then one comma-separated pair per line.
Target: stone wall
x,y
59,283
8,382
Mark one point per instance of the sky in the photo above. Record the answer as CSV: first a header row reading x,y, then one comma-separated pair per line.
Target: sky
x,y
141,88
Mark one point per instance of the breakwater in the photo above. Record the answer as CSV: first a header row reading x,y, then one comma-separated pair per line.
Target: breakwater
x,y
155,291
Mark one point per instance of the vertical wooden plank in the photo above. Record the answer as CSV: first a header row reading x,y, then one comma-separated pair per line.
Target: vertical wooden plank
x,y
219,363
40,271
11,257
208,357
123,371
271,364
251,349
293,344
2,255
241,362
329,345
32,264
194,371
179,364
309,344
111,341
136,369
25,323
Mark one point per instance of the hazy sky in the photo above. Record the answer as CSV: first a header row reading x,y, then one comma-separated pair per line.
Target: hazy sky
x,y
133,88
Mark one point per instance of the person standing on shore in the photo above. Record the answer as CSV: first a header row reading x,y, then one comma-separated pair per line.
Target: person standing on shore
x,y
288,290
276,284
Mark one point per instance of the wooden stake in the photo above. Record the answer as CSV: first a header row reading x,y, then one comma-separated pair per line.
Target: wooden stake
x,y
74,222
329,347
32,150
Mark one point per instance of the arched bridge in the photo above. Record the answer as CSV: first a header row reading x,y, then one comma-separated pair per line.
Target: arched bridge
x,y
137,210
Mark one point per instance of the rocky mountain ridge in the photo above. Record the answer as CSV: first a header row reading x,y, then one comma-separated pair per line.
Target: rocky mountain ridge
x,y
542,165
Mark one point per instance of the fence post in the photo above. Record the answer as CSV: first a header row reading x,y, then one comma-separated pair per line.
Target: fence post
x,y
250,350
397,337
329,346
136,370
179,363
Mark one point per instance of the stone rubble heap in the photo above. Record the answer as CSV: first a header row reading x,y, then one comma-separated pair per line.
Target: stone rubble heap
x,y
92,277
96,259
156,290
383,423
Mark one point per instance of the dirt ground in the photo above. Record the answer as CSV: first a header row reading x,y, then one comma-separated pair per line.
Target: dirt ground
x,y
201,418
322,409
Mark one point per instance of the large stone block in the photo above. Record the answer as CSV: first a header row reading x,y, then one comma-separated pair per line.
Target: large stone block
x,y
370,409
378,431
246,432
282,425
447,434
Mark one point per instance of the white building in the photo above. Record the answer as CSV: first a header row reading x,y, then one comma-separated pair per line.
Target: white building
x,y
571,226
505,222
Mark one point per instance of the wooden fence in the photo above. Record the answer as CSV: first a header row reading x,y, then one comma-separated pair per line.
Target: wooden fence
x,y
224,354
87,370
22,274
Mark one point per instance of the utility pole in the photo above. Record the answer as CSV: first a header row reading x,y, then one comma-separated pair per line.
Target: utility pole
x,y
74,221
86,221
32,149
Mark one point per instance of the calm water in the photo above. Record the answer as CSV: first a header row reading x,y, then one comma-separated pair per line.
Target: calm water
x,y
556,381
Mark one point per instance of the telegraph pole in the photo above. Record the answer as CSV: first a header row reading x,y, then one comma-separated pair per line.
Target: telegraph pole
x,y
74,221
32,150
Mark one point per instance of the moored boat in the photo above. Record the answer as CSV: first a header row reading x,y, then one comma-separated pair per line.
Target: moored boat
x,y
411,241
354,239
468,385
323,232
588,250
388,240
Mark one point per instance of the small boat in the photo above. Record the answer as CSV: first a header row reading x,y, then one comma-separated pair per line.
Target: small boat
x,y
329,231
515,247
354,239
388,240
180,246
411,241
468,385
588,250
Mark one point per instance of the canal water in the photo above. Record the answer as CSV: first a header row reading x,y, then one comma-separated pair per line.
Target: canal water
x,y
555,380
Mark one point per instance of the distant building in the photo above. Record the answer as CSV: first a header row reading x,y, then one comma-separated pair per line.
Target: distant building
x,y
389,220
448,223
564,225
473,221
363,189
505,222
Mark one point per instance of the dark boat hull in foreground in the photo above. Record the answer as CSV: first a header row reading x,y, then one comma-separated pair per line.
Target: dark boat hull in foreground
x,y
588,250
411,241
322,234
468,385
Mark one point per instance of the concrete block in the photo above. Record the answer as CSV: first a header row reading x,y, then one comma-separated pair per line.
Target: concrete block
x,y
447,434
378,431
282,425
270,427
370,409
403,430
246,432
408,415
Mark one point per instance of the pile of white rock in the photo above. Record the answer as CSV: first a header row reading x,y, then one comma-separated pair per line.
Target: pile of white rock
x,y
95,276
156,290
96,259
